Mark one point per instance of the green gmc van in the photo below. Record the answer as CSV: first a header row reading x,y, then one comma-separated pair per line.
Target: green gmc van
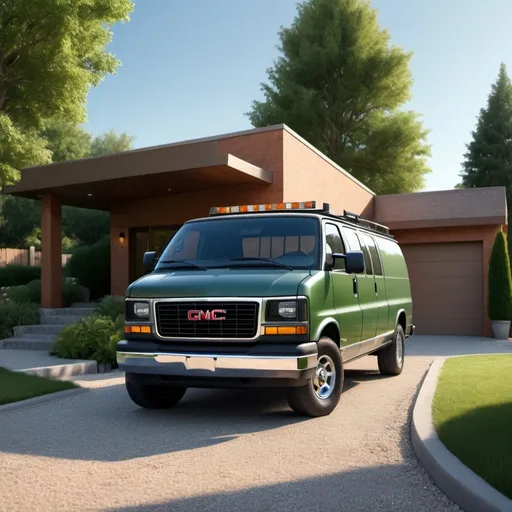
x,y
266,295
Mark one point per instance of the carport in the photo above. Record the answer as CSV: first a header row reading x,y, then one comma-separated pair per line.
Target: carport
x,y
113,182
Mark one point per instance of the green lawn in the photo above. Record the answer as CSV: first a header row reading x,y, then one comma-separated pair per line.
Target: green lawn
x,y
16,386
472,413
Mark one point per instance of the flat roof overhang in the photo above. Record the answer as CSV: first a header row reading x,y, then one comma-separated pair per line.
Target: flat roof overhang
x,y
151,172
442,209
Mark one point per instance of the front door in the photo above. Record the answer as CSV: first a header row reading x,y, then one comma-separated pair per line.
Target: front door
x,y
346,303
147,239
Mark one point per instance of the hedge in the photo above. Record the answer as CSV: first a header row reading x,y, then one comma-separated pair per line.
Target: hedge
x,y
14,313
31,293
17,275
90,266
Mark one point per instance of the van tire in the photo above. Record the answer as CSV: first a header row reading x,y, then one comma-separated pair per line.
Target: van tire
x,y
391,357
305,400
154,397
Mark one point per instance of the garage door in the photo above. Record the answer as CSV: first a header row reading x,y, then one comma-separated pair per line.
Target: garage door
x,y
447,288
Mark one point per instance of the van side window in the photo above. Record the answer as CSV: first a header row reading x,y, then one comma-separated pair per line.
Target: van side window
x,y
355,244
370,243
333,239
366,254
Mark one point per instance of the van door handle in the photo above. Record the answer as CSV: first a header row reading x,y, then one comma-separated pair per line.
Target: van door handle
x,y
354,285
375,283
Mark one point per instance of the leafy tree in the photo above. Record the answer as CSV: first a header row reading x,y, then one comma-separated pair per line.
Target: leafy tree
x,y
18,221
20,218
18,148
66,140
110,142
50,54
84,225
488,160
340,83
500,282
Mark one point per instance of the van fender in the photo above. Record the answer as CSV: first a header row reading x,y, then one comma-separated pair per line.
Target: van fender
x,y
325,322
400,311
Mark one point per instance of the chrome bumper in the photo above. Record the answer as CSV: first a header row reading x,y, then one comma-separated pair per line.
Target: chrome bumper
x,y
215,365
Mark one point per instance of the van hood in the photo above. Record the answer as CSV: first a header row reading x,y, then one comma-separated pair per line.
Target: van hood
x,y
257,282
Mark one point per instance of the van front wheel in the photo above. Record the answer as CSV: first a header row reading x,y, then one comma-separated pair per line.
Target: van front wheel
x,y
154,397
391,357
320,396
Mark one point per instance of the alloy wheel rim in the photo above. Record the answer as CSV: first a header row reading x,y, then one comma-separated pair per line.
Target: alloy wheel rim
x,y
399,350
325,377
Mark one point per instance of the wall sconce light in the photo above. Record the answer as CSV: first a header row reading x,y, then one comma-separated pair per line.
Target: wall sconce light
x,y
121,238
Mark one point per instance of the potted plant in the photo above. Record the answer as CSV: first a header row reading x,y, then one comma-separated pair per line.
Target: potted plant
x,y
500,289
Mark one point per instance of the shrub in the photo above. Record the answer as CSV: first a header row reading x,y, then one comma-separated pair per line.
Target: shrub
x,y
72,292
31,292
90,265
14,313
500,281
111,306
94,337
16,275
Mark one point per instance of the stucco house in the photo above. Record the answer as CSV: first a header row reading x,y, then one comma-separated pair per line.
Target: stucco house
x,y
446,236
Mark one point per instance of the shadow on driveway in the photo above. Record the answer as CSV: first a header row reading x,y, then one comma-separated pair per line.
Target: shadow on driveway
x,y
393,488
104,424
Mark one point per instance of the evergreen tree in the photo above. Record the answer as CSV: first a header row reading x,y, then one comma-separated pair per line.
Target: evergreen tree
x,y
488,160
340,84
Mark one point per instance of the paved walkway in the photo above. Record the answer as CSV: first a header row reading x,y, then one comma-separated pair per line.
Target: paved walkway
x,y
226,450
14,359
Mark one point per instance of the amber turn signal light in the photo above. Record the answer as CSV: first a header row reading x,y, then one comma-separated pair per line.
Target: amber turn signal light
x,y
137,329
285,329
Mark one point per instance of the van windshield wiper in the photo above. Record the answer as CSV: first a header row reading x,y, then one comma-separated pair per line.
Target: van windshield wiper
x,y
182,262
265,260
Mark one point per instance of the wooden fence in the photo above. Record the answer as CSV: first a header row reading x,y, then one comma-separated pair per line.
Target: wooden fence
x,y
24,257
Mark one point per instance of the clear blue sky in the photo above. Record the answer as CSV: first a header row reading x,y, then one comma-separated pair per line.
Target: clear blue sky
x,y
191,68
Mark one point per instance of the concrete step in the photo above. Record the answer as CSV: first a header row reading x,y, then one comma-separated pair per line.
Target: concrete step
x,y
61,320
22,330
36,336
28,343
59,371
66,311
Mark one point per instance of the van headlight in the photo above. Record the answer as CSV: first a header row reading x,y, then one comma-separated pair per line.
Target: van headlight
x,y
286,310
141,309
137,310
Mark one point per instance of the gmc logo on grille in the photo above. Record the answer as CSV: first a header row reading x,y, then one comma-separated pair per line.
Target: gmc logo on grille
x,y
195,315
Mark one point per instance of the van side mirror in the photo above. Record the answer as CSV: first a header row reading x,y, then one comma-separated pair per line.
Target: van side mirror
x,y
354,262
149,261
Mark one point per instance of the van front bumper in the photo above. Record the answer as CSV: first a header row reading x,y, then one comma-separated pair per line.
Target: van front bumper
x,y
295,362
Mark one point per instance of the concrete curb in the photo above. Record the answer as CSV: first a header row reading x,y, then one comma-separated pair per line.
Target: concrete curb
x,y
63,370
38,400
457,481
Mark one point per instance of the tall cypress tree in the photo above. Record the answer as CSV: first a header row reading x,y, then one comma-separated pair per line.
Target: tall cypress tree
x,y
488,160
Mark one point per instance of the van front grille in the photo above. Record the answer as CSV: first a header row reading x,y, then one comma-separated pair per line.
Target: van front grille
x,y
225,320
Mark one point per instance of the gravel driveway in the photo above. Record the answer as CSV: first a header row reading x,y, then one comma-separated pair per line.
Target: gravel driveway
x,y
222,450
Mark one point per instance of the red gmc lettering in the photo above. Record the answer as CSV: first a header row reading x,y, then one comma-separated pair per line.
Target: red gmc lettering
x,y
195,315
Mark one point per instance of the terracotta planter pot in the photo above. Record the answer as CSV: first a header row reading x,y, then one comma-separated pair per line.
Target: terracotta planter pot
x,y
500,329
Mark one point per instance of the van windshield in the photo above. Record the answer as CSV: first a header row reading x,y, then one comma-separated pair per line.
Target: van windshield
x,y
283,241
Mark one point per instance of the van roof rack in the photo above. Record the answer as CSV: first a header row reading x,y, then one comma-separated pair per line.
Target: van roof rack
x,y
365,223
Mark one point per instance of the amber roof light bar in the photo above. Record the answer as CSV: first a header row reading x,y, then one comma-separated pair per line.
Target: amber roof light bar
x,y
299,206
